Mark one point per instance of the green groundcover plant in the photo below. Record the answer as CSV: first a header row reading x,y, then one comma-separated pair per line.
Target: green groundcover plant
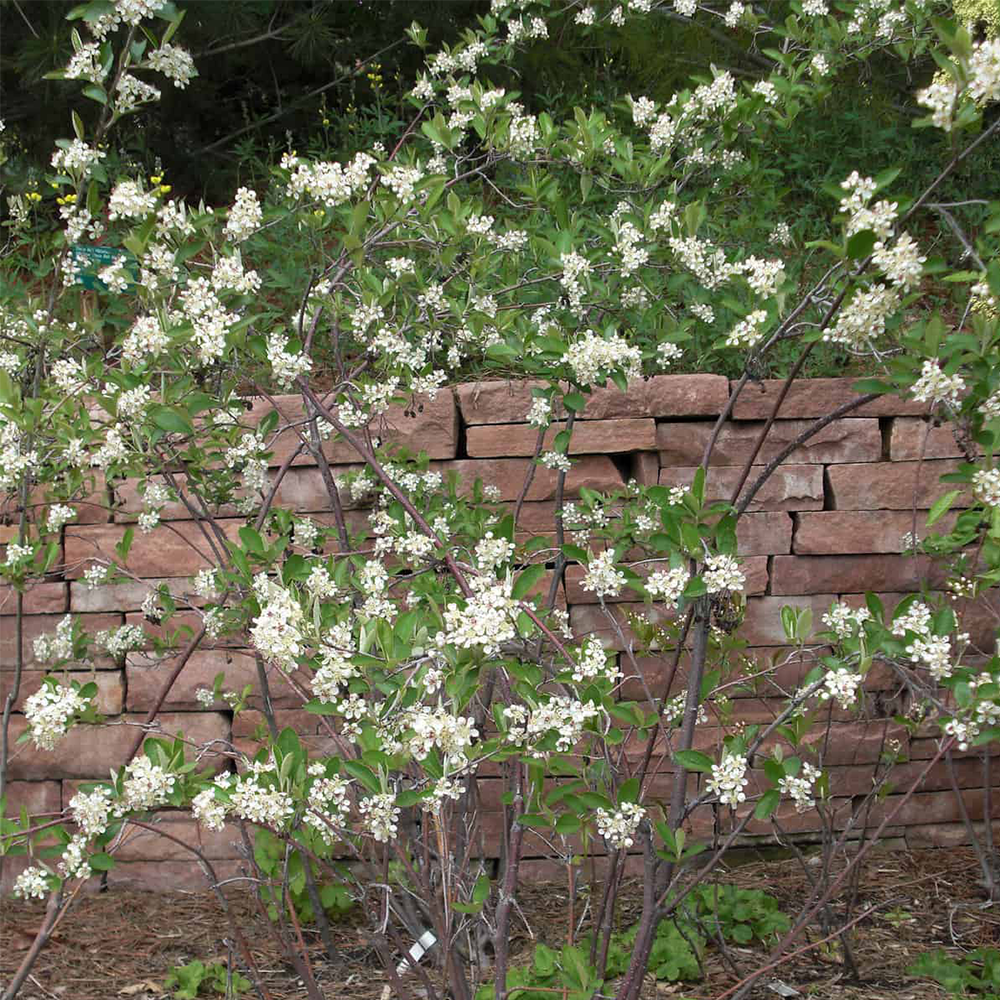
x,y
152,338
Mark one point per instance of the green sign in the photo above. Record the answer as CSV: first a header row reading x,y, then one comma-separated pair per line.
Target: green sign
x,y
89,261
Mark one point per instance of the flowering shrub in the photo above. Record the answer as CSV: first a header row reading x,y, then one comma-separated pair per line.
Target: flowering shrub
x,y
430,644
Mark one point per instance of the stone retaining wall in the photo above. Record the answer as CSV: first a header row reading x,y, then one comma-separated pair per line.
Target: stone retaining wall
x,y
828,525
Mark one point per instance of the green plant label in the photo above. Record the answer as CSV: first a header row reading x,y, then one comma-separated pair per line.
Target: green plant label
x,y
91,260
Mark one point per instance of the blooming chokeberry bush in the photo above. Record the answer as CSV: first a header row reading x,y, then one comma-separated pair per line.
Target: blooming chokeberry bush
x,y
429,644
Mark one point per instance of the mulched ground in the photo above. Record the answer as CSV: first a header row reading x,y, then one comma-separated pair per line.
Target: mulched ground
x,y
123,943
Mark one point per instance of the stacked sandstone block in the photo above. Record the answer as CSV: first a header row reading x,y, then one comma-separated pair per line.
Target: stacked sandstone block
x,y
829,524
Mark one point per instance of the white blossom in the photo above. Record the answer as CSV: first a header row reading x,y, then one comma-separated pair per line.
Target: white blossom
x,y
245,216
618,827
935,387
729,779
32,883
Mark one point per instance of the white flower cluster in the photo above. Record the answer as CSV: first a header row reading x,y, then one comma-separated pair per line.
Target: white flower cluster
x,y
862,319
672,712
77,157
208,811
855,204
285,367
902,263
69,375
643,111
229,273
763,276
666,352
729,779
704,260
593,358
259,803
721,573
129,201
627,246
601,577
561,714
402,181
14,461
328,182
206,583
556,460
990,407
329,802
58,645
73,863
781,234
86,64
492,553
32,883
618,827
119,641
174,63
244,217
486,621
717,98
209,318
50,711
130,92
246,454
940,98
842,685
380,816
800,787
767,90
667,585
594,662
59,514
276,632
145,341
429,728
933,652
91,811
843,619
916,619
17,554
748,332
935,387
145,786
986,486
540,413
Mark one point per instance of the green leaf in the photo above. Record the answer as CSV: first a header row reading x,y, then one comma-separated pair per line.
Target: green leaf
x,y
767,804
629,791
574,401
122,548
698,486
363,774
567,823
941,506
101,862
694,760
95,93
577,554
171,419
252,541
526,581
481,891
867,385
861,244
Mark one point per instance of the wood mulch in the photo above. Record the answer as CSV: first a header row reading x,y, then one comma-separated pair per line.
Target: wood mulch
x,y
124,943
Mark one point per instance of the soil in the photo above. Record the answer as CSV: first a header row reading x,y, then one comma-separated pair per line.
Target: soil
x,y
124,943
